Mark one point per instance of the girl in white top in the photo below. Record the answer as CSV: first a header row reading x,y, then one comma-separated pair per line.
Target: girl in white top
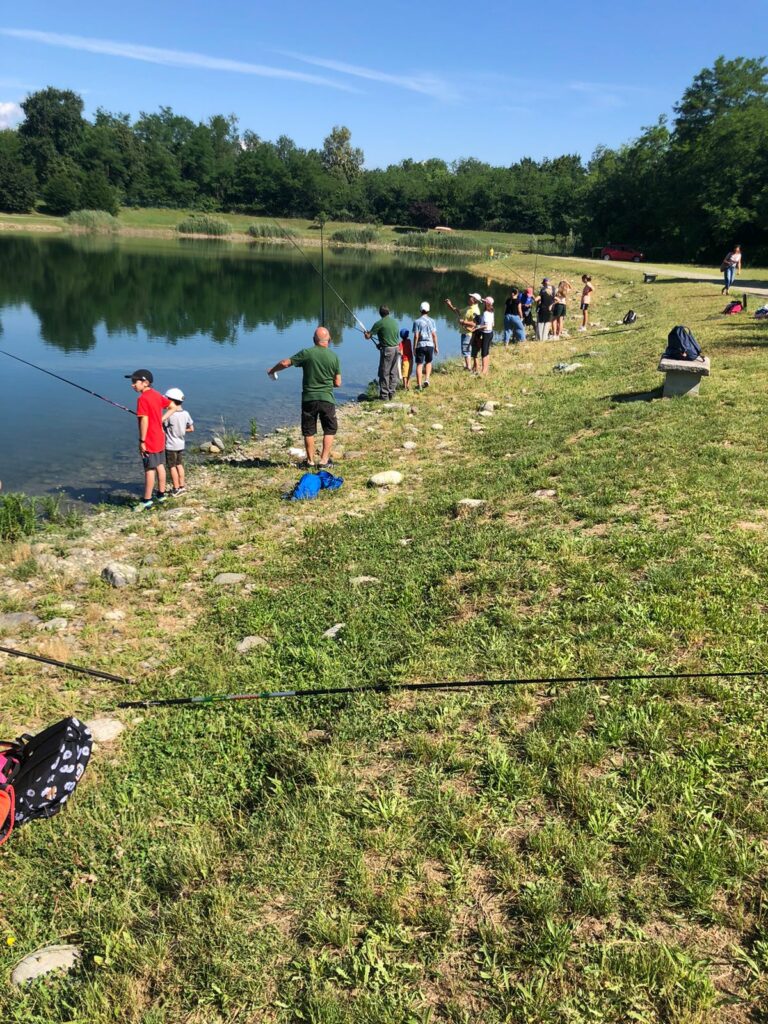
x,y
730,267
482,338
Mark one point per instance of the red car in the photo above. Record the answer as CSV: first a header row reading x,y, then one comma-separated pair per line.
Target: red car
x,y
621,252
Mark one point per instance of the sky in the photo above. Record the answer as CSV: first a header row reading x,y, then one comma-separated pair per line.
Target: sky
x,y
409,79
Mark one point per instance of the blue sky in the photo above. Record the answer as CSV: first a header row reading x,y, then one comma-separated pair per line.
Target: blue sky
x,y
497,81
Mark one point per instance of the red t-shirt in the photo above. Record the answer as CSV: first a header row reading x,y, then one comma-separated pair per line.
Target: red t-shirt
x,y
151,404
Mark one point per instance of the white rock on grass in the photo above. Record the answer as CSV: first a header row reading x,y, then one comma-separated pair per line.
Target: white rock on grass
x,y
438,426
489,406
395,406
485,412
466,505
297,453
545,492
105,730
228,579
409,445
388,478
333,632
217,441
359,580
405,541
61,957
54,625
119,574
249,643
114,615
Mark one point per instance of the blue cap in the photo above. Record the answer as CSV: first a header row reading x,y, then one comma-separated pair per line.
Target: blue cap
x,y
404,333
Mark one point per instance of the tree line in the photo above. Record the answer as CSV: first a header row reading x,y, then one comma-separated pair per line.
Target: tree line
x,y
685,189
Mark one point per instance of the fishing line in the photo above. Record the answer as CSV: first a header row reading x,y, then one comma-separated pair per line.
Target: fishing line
x,y
321,275
64,379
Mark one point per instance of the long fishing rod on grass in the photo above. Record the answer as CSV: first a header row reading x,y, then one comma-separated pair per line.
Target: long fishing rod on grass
x,y
455,684
95,394
320,273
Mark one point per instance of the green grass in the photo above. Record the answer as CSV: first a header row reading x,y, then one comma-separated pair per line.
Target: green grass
x,y
553,853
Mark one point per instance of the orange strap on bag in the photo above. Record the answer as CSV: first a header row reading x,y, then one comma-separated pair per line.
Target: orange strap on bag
x,y
7,812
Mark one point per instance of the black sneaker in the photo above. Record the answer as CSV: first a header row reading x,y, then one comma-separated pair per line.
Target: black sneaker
x,y
161,497
325,465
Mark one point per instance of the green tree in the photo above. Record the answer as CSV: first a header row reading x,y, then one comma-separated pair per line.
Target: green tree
x,y
61,193
339,156
728,85
18,182
52,128
97,194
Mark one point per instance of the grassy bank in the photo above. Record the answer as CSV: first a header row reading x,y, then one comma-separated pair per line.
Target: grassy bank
x,y
544,854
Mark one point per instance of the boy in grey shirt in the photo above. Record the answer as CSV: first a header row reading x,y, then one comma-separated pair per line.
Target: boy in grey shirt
x,y
177,423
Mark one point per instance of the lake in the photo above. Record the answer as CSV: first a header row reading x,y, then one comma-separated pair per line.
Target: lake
x,y
207,317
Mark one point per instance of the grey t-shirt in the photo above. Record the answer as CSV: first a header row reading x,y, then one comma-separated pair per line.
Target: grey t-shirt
x,y
175,428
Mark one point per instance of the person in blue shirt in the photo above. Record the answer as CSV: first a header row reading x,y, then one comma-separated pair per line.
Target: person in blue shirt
x,y
424,346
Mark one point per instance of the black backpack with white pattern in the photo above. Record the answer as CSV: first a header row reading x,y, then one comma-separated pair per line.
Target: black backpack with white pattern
x,y
38,774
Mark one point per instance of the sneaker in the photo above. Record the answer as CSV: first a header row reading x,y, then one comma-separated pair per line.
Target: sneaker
x,y
582,329
144,506
426,383
161,497
325,465
179,490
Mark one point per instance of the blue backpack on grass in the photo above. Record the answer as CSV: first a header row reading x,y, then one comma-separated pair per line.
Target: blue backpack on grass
x,y
681,344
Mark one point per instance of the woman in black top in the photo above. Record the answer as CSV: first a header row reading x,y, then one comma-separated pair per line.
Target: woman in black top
x,y
544,302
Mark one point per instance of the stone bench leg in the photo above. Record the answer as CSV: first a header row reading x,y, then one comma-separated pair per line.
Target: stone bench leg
x,y
677,382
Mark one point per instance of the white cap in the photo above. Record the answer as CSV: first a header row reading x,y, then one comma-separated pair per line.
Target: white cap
x,y
488,299
424,307
475,296
175,393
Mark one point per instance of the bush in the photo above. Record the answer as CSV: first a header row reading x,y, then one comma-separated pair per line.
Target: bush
x,y
21,516
97,222
96,193
269,231
62,193
203,224
453,243
360,236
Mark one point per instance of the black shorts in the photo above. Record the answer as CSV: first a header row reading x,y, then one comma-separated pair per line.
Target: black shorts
x,y
558,310
309,414
152,460
584,305
481,343
424,354
174,458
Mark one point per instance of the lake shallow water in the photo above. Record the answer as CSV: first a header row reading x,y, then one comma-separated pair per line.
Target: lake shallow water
x,y
208,318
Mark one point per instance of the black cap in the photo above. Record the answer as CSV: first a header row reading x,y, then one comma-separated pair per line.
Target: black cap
x,y
139,375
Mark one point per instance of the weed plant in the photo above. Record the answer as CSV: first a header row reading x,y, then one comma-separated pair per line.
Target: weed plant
x,y
21,516
203,224
96,222
440,242
358,236
270,231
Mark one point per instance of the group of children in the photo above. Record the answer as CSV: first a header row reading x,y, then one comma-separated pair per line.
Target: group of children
x,y
163,426
546,312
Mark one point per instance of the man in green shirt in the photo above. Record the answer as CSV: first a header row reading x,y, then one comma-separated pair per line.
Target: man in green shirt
x,y
387,332
321,374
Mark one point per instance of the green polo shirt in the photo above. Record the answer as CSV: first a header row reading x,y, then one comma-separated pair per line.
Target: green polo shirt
x,y
387,330
319,366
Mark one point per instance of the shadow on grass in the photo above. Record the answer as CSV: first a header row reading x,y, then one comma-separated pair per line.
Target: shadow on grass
x,y
636,396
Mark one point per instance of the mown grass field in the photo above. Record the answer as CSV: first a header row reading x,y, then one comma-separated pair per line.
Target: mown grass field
x,y
549,854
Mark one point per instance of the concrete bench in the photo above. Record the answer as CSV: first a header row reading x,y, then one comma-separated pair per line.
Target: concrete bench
x,y
648,278
683,376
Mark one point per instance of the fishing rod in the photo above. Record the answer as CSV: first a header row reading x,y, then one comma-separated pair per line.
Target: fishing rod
x,y
448,685
321,275
64,379
67,665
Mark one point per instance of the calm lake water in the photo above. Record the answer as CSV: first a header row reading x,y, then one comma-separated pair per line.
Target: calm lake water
x,y
208,318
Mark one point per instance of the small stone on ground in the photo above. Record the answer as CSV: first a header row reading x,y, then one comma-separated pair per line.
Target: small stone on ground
x,y
104,730
248,643
119,574
334,631
49,958
386,478
228,579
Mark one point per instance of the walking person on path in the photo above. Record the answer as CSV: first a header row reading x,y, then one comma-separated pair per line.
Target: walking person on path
x,y
513,317
387,334
149,413
544,303
424,345
482,338
586,299
730,266
321,373
467,322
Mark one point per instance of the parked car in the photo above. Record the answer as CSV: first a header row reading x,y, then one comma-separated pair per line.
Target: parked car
x,y
621,252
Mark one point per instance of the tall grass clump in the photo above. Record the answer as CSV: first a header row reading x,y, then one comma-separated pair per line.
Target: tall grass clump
x,y
21,516
270,231
444,243
203,224
360,236
97,222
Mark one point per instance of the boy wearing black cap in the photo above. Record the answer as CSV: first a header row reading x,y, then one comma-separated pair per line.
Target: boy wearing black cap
x,y
149,413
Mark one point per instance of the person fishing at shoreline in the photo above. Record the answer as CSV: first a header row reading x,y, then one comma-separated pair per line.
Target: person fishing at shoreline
x,y
321,373
149,412
468,321
387,332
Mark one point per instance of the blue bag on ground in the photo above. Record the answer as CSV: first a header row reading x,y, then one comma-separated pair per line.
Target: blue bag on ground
x,y
310,485
681,344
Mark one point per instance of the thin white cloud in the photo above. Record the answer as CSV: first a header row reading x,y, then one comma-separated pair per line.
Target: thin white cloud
x,y
10,114
607,95
169,58
427,85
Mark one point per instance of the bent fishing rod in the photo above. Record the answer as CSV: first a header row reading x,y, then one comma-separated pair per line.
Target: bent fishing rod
x,y
321,275
455,684
95,394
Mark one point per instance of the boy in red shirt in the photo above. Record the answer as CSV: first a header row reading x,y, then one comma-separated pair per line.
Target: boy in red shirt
x,y
149,412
